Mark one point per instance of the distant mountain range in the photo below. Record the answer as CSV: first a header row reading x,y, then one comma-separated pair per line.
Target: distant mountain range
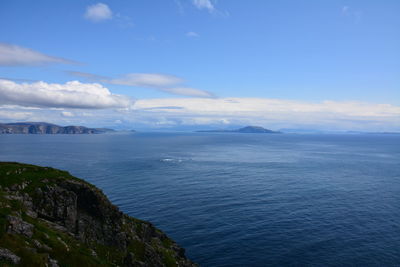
x,y
47,128
247,129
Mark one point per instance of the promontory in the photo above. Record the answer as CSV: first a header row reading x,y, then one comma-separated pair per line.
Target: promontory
x,y
47,128
50,218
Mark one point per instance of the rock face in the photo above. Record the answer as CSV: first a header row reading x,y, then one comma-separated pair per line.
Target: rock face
x,y
47,128
49,218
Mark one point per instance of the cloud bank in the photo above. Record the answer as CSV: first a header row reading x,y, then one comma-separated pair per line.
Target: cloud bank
x,y
219,112
13,55
276,113
98,12
69,95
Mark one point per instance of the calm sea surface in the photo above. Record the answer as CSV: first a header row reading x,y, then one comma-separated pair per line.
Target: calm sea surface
x,y
244,199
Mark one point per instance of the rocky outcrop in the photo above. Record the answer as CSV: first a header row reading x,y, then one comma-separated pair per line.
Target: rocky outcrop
x,y
47,128
8,256
17,226
47,214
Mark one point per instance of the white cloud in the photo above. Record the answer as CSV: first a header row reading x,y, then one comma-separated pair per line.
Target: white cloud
x,y
67,114
161,82
98,12
72,94
13,55
192,34
204,4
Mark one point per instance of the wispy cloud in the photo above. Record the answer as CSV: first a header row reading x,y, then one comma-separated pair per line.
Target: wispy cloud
x,y
345,10
192,34
162,82
69,95
180,6
13,55
187,91
146,80
13,115
98,12
355,15
124,21
266,106
204,4
86,75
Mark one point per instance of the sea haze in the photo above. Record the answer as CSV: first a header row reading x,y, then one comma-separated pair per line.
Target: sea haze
x,y
244,199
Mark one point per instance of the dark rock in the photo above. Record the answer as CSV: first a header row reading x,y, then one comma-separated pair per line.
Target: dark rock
x,y
17,226
7,255
53,263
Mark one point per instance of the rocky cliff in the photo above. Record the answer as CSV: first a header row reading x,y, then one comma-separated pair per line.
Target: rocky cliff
x,y
50,218
47,128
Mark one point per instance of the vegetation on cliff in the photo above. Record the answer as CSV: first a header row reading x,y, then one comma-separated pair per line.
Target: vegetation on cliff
x,y
47,128
50,218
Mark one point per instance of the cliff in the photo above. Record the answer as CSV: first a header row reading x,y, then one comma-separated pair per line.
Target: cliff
x,y
50,218
47,128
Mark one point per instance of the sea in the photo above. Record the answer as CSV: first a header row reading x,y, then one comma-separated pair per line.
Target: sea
x,y
234,199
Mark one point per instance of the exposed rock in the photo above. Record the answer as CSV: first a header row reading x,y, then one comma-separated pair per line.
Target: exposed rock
x,y
18,226
7,255
53,263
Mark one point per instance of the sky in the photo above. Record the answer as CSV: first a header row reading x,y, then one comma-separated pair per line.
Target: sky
x,y
165,64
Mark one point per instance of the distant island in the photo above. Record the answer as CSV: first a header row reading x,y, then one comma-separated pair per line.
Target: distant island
x,y
247,129
47,128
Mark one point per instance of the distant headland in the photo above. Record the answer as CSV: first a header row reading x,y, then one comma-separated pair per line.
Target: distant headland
x,y
247,129
47,128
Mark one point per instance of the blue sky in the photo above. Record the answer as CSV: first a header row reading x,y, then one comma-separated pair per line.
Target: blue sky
x,y
303,54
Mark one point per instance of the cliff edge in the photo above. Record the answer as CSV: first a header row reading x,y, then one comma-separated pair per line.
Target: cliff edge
x,y
48,128
50,218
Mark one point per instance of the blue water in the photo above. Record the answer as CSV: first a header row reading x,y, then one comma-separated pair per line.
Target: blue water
x,y
244,199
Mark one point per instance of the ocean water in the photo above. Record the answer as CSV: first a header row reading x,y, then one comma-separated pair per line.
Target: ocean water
x,y
244,199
